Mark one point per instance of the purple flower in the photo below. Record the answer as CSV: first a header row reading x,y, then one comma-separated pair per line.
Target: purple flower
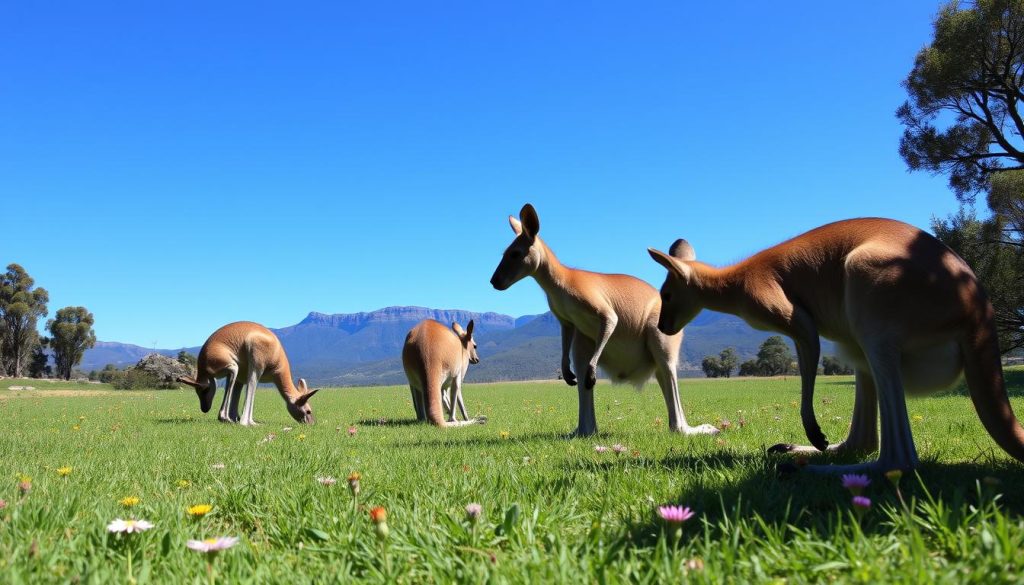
x,y
473,511
861,503
619,448
855,482
675,514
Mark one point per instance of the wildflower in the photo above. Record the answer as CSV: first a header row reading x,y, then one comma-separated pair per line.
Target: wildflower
x,y
917,418
128,501
24,486
353,482
199,510
855,483
742,422
285,429
635,453
619,448
379,517
724,425
64,471
3,503
128,526
473,512
352,431
861,504
382,421
183,483
301,437
600,448
268,438
503,434
894,476
327,480
212,546
695,565
76,428
675,514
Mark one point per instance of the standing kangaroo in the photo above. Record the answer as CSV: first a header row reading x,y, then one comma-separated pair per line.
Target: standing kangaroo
x,y
607,319
435,359
901,305
247,354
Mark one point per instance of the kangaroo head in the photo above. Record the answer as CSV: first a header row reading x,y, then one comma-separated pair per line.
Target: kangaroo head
x,y
205,391
299,409
523,256
468,343
679,303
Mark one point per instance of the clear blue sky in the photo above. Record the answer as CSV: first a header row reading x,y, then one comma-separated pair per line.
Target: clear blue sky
x,y
175,166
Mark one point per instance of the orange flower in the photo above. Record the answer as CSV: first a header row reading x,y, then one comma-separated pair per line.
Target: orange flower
x,y
378,514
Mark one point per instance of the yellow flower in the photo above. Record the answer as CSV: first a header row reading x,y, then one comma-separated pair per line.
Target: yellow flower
x,y
64,471
183,483
128,501
503,434
894,476
301,437
917,418
199,510
22,478
76,428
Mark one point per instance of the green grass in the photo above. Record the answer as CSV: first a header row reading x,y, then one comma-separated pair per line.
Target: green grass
x,y
584,516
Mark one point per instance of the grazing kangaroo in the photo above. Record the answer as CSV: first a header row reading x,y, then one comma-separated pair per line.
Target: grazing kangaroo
x,y
607,319
898,303
435,359
247,354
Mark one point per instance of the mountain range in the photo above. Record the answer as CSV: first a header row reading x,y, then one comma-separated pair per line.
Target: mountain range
x,y
359,349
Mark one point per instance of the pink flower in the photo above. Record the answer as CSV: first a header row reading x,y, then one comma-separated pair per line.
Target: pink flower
x,y
675,514
128,526
862,503
327,480
619,448
3,503
212,545
473,511
600,448
352,431
855,482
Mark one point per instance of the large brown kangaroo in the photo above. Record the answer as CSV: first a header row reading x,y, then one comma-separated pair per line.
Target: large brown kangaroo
x,y
435,359
607,319
246,354
898,303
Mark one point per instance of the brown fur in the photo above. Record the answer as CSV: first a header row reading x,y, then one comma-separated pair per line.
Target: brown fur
x,y
247,353
898,303
607,319
435,359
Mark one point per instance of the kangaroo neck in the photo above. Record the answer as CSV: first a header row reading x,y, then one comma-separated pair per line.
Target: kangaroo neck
x,y
551,275
719,289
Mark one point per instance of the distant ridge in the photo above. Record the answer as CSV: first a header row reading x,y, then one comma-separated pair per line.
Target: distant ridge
x,y
357,349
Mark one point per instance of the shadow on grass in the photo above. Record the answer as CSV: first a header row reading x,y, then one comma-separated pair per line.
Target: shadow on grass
x,y
817,501
450,437
178,420
402,422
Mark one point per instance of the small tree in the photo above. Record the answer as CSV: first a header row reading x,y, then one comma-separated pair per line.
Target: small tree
x,y
729,359
21,305
833,366
39,366
749,368
712,366
107,373
774,357
71,334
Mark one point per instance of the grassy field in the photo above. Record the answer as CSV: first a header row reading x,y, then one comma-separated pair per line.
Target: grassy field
x,y
583,516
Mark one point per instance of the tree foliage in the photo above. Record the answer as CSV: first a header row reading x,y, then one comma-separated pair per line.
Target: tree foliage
x,y
39,363
21,305
774,357
833,366
71,334
720,366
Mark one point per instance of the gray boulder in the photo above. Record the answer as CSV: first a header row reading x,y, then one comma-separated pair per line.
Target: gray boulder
x,y
166,370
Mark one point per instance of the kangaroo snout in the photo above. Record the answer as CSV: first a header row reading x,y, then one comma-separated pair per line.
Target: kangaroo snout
x,y
497,283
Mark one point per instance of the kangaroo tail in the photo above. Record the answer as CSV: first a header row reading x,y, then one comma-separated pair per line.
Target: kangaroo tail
x,y
984,374
435,414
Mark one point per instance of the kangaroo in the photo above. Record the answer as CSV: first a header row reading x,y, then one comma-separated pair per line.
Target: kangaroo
x,y
606,319
435,359
905,309
247,354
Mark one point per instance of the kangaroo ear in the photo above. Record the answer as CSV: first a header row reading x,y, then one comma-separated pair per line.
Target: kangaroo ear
x,y
674,265
302,385
302,400
531,222
682,250
517,227
469,329
457,329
